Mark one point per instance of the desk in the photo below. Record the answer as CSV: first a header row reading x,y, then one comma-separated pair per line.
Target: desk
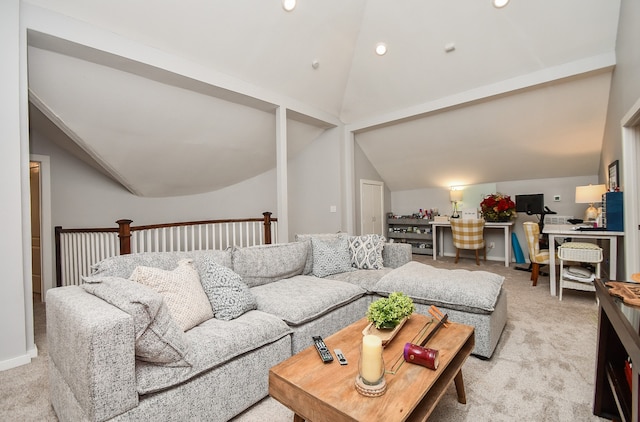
x,y
506,226
566,230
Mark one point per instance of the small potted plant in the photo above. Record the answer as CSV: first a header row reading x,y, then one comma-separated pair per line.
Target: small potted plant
x,y
388,312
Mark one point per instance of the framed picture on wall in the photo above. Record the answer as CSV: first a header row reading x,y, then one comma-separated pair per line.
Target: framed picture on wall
x,y
614,180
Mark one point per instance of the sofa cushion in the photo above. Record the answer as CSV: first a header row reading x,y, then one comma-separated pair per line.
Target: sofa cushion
x,y
366,279
330,256
469,291
366,251
181,290
158,338
213,343
123,265
228,295
266,263
300,299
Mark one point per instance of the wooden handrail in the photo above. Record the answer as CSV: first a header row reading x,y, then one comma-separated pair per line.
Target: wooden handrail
x,y
125,229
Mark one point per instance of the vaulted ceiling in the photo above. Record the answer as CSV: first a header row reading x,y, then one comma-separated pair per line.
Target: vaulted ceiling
x,y
522,95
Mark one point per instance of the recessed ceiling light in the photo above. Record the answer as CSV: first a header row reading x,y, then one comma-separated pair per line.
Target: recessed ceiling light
x,y
381,49
500,3
288,5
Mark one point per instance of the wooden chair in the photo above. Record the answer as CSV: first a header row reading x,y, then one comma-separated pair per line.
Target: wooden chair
x,y
468,234
537,256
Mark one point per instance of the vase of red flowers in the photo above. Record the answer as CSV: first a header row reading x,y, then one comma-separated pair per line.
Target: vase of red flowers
x,y
498,207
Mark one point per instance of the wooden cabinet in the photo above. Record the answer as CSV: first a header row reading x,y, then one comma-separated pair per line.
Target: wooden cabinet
x,y
618,340
416,231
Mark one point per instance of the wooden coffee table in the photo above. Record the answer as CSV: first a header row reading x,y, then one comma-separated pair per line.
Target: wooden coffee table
x,y
320,392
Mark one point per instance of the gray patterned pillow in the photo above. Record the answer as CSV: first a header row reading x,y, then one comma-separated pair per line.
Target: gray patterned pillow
x,y
308,266
228,295
158,338
366,251
331,256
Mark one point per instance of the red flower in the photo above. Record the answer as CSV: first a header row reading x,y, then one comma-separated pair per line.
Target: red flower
x,y
498,207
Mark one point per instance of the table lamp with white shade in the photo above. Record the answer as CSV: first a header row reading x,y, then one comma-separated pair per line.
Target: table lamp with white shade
x,y
455,195
590,195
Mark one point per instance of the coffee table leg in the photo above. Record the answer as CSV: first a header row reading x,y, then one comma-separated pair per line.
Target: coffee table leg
x,y
297,418
459,382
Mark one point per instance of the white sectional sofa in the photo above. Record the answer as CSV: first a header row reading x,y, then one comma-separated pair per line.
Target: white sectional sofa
x,y
118,351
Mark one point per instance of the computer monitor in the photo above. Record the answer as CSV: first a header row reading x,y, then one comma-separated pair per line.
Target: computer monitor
x,y
530,204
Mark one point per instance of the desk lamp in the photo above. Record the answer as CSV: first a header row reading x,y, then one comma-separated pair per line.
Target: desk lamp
x,y
455,195
590,195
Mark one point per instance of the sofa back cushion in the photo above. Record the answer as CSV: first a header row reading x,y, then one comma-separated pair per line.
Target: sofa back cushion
x,y
158,338
264,264
123,265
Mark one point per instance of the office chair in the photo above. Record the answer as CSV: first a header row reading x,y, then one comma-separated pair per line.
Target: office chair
x,y
537,256
468,234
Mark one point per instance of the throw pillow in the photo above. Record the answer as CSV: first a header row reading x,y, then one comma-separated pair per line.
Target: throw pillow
x,y
181,290
306,238
158,339
366,251
228,295
330,256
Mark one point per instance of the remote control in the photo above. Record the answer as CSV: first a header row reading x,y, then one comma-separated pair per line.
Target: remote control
x,y
340,356
324,353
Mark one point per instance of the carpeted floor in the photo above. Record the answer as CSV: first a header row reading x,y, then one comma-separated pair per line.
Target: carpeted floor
x,y
542,370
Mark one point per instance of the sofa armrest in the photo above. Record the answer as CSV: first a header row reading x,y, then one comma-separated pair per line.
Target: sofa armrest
x,y
92,345
396,255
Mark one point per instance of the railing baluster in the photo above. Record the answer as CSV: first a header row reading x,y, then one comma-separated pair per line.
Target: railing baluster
x,y
79,249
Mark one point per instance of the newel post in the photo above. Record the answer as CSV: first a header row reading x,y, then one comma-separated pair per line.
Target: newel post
x,y
267,227
124,234
58,230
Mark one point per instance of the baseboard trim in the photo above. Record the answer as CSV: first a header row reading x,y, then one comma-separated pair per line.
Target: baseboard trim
x,y
15,362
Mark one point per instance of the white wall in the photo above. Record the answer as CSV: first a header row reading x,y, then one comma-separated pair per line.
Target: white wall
x,y
315,185
16,329
364,170
83,197
625,92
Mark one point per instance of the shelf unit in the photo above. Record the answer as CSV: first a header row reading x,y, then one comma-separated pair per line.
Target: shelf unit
x,y
416,231
617,340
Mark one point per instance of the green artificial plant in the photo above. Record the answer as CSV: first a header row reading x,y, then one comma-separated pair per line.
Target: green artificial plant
x,y
389,311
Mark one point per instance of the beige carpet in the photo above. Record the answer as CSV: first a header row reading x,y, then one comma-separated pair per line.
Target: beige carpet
x,y
542,370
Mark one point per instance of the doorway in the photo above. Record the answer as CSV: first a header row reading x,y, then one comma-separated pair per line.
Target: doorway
x,y
41,230
36,229
631,187
371,207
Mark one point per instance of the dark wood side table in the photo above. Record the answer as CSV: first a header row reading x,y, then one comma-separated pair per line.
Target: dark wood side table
x,y
617,341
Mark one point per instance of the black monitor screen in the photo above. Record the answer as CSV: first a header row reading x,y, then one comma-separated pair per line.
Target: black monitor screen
x,y
530,204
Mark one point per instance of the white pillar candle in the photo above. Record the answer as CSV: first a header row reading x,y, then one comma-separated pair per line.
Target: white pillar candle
x,y
371,358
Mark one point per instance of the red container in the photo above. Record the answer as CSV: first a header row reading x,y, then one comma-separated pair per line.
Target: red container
x,y
628,373
421,356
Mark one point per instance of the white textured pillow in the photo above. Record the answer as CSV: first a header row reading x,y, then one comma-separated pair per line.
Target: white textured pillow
x,y
181,290
366,251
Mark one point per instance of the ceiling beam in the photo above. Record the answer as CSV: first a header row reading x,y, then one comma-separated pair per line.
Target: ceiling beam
x,y
578,68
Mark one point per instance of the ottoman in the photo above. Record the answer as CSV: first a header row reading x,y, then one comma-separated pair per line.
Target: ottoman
x,y
473,298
